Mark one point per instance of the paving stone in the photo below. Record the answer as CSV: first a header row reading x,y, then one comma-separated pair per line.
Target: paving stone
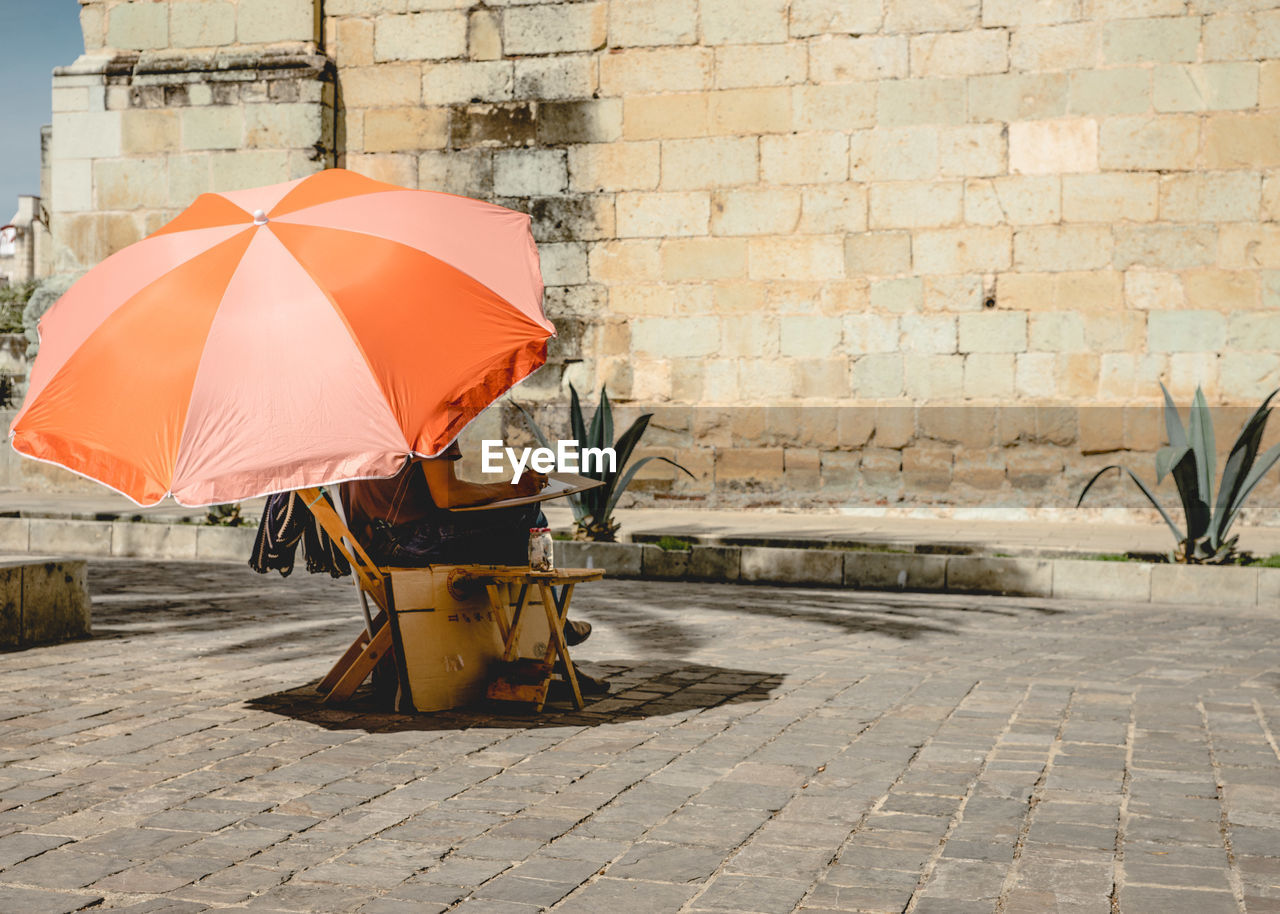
x,y
36,901
1175,901
755,735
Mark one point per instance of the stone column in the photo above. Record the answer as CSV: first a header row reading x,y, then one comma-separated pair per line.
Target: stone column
x,y
173,98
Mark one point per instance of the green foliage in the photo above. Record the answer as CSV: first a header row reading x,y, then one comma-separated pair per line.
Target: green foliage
x,y
1190,458
7,389
13,298
1271,561
593,509
673,544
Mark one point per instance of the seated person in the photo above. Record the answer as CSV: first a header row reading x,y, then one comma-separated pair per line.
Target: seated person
x,y
406,521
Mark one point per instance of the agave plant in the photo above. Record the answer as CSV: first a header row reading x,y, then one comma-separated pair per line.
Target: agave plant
x,y
593,509
1189,458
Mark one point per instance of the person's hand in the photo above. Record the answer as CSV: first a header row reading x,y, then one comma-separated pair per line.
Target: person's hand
x,y
531,483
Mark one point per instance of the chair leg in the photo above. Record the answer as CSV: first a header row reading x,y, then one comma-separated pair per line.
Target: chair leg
x,y
362,665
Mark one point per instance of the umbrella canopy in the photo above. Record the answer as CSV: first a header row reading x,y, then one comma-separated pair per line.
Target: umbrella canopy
x,y
285,336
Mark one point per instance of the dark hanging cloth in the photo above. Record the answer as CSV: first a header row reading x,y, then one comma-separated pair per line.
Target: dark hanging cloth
x,y
286,521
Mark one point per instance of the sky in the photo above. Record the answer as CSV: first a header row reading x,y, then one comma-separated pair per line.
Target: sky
x,y
35,37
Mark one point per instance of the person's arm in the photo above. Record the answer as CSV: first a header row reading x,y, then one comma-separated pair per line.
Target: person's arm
x,y
448,491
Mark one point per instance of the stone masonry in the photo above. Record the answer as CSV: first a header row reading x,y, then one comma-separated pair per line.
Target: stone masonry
x,y
943,219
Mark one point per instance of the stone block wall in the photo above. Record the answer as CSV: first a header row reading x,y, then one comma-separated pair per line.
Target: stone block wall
x,y
931,208
904,208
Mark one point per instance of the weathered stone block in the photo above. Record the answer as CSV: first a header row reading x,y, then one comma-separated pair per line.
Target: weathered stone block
x,y
749,111
10,605
748,66
749,465
894,154
704,258
1053,47
925,204
241,168
699,163
982,470
1093,580
878,376
1170,247
882,253
656,23
86,135
840,17
643,71
139,25
768,211
201,24
988,375
1242,141
130,183
894,571
384,85
927,468
1159,143
1011,97
291,126
960,53
421,36
556,77
665,564
493,125
1231,196
217,127
815,257
843,58
865,333
649,215
1185,331
1110,198
1206,586
620,560
1053,147
715,563
661,116
267,21
1062,247
460,82
614,166
1012,577
743,21
818,107
143,131
993,331
1013,200
974,150
529,172
169,541
560,123
931,15
1147,40
55,601
969,250
904,102
1205,87
554,28
224,544
1110,92
765,564
484,35
72,537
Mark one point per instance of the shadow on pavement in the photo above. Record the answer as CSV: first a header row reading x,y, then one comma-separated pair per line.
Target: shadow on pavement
x,y
641,690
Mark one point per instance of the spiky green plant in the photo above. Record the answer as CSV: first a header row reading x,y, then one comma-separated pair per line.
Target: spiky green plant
x,y
593,509
1190,458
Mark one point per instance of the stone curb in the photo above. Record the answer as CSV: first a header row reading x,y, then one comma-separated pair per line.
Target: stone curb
x,y
1043,576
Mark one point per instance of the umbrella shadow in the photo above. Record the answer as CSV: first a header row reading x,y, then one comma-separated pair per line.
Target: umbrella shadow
x,y
640,690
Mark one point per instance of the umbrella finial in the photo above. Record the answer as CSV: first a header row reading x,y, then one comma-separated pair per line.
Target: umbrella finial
x,y
259,217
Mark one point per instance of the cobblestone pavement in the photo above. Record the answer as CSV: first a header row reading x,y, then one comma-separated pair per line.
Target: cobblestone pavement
x,y
764,750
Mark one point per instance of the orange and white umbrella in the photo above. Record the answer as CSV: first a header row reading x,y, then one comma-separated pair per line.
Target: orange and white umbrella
x,y
285,336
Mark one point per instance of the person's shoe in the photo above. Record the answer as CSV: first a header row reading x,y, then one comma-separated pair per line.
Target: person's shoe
x,y
576,632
